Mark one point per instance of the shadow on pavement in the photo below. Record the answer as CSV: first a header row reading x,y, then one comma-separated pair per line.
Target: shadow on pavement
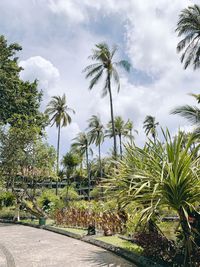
x,y
105,258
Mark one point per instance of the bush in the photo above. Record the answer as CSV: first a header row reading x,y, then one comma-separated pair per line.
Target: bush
x,y
48,201
69,193
156,246
9,213
7,199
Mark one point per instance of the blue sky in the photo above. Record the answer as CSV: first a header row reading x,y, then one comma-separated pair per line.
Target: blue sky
x,y
57,37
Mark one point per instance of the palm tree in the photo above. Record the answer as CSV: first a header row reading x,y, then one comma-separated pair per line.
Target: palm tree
x,y
96,135
81,145
150,125
191,113
120,130
189,27
129,127
106,66
58,110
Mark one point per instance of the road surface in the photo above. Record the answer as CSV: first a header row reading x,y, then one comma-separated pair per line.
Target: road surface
x,y
23,246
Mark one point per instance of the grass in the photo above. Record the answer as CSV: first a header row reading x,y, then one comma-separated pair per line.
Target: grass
x,y
168,229
36,221
118,242
73,230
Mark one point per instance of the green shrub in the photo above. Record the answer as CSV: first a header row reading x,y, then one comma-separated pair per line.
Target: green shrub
x,y
69,193
7,199
9,213
48,201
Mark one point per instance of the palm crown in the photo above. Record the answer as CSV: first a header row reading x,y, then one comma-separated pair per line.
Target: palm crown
x,y
58,110
189,26
107,67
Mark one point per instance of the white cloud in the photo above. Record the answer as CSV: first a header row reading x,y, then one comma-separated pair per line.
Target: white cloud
x,y
63,35
45,72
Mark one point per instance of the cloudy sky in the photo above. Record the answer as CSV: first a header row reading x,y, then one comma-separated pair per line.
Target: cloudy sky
x,y
57,37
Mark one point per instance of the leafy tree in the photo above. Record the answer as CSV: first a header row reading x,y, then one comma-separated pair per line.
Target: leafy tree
x,y
189,27
58,110
96,135
81,145
25,159
150,125
17,98
106,66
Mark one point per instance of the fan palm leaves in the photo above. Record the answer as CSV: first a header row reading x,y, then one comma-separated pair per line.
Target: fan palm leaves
x,y
58,111
130,128
96,136
150,125
188,26
106,67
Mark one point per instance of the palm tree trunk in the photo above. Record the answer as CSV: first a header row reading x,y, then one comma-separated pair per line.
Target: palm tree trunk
x,y
58,152
88,172
120,145
187,238
100,165
112,117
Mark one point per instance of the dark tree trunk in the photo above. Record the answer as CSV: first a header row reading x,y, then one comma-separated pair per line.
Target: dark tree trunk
x,y
58,152
120,145
112,117
88,172
187,238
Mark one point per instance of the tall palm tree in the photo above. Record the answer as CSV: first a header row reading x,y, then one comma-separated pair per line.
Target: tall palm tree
x,y
129,127
81,145
120,130
188,26
106,66
58,110
191,113
150,125
96,136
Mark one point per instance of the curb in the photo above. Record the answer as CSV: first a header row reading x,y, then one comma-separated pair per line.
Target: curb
x,y
140,261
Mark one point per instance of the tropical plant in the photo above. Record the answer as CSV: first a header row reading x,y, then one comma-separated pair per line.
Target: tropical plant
x,y
150,125
96,136
161,175
81,145
58,110
106,66
189,26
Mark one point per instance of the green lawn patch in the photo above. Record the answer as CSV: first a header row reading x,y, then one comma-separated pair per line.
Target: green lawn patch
x,y
73,230
118,242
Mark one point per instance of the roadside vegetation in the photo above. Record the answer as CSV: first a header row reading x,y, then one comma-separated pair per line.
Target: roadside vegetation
x,y
144,199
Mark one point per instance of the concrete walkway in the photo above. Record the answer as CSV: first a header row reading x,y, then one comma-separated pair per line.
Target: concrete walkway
x,y
22,246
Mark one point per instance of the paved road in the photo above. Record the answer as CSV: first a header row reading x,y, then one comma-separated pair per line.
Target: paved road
x,y
22,246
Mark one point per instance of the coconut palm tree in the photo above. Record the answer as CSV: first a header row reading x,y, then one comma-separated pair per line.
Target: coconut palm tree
x,y
58,110
120,130
188,26
129,127
81,145
107,67
96,136
150,125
